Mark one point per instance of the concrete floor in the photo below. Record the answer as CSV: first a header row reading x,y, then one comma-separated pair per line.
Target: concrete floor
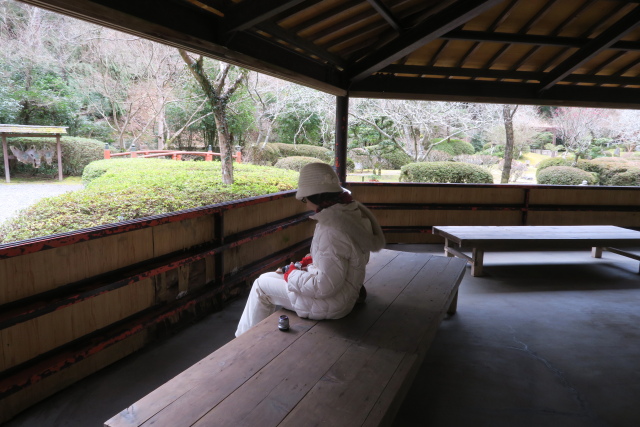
x,y
544,339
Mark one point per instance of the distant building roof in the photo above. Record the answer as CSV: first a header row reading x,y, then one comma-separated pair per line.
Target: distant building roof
x,y
36,130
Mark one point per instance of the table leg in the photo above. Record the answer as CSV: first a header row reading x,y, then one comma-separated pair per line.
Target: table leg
x,y
596,252
454,305
476,263
447,244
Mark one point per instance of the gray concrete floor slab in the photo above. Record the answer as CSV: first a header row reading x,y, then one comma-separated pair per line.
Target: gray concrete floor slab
x,y
544,339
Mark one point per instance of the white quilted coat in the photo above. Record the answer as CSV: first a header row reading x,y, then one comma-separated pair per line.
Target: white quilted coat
x,y
342,241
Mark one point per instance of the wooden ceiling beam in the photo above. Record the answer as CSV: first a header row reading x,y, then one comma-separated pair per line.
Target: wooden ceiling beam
x,y
531,39
294,40
250,13
429,30
505,74
494,92
539,15
386,13
495,24
594,47
326,15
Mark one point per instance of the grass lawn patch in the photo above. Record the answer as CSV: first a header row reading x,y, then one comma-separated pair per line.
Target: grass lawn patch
x,y
126,189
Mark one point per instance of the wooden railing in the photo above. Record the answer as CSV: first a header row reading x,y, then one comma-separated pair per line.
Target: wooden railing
x,y
174,154
73,303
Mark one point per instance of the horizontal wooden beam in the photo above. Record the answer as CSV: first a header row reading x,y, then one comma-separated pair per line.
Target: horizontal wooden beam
x,y
507,74
533,39
495,92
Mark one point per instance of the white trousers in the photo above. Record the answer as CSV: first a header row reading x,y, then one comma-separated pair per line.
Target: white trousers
x,y
267,293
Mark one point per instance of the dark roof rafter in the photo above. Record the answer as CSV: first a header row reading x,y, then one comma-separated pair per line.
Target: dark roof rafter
x,y
595,46
533,39
386,13
250,13
432,28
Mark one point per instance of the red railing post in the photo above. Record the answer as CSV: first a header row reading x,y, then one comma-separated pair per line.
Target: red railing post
x,y
238,156
107,152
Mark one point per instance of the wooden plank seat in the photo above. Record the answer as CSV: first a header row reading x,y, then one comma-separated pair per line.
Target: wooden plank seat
x,y
348,372
479,239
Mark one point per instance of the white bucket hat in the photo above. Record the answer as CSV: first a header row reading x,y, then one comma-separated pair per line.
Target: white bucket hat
x,y
316,178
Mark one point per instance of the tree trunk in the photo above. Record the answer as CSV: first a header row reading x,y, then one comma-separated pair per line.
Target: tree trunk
x,y
161,131
226,146
218,99
507,115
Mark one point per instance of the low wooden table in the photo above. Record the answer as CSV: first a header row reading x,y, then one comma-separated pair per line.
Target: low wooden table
x,y
478,239
354,371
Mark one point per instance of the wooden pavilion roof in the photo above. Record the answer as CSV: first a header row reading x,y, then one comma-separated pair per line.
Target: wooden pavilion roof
x,y
545,52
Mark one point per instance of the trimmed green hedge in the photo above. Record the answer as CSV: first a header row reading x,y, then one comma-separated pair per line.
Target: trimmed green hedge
x,y
454,147
613,170
565,175
76,154
271,152
296,163
553,161
445,172
124,189
628,178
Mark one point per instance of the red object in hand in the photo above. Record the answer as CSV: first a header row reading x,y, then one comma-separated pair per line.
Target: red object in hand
x,y
291,268
306,261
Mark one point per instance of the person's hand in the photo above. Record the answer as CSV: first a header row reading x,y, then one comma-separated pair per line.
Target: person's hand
x,y
292,267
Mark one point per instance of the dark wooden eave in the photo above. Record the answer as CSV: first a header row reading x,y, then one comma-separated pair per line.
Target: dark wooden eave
x,y
548,52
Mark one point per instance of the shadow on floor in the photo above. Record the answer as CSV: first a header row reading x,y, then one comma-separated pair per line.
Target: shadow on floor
x,y
545,339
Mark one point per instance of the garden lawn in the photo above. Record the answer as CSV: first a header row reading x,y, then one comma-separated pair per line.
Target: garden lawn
x,y
124,189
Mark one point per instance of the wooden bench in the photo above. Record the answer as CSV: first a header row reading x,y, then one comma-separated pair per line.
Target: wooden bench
x,y
478,239
348,372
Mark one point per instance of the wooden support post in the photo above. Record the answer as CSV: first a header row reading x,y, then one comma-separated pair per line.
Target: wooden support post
x,y
59,149
342,114
238,156
596,252
453,307
107,152
478,259
447,244
5,153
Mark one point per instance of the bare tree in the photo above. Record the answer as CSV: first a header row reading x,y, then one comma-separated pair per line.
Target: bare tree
x,y
578,128
417,124
625,128
218,94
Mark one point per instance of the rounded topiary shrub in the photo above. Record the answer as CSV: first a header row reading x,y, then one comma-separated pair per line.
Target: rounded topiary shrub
x,y
296,162
453,172
268,154
628,178
553,161
290,150
262,154
612,171
454,147
565,175
395,159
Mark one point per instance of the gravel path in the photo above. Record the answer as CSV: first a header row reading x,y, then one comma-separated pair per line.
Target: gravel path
x,y
14,197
